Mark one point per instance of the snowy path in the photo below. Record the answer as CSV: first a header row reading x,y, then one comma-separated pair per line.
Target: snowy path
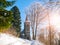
x,y
6,39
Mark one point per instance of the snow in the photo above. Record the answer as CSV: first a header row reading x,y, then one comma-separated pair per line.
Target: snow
x,y
6,39
36,43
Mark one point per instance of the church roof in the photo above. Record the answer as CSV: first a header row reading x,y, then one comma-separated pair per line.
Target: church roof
x,y
27,20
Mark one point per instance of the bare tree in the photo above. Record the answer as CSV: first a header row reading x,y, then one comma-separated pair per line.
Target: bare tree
x,y
46,40
36,13
41,36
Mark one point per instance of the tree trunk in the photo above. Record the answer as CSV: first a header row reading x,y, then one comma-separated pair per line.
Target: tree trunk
x,y
33,35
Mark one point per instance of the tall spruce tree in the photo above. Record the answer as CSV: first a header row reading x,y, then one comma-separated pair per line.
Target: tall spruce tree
x,y
17,20
5,15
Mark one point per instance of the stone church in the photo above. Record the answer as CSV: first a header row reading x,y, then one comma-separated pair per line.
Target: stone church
x,y
26,32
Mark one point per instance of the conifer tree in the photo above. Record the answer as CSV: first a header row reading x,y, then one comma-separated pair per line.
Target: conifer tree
x,y
17,20
5,15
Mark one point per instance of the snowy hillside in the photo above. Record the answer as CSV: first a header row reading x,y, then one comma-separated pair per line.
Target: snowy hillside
x,y
6,39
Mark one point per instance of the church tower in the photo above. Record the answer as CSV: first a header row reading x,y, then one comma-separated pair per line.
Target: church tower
x,y
27,28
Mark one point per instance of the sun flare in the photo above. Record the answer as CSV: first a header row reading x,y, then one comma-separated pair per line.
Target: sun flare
x,y
55,20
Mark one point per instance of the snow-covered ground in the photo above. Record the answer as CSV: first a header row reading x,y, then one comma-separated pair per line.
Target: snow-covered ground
x,y
6,39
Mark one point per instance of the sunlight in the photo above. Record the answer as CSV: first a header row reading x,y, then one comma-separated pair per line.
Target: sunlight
x,y
55,19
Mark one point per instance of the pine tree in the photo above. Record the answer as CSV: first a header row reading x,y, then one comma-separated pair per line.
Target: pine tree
x,y
5,15
4,4
17,20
